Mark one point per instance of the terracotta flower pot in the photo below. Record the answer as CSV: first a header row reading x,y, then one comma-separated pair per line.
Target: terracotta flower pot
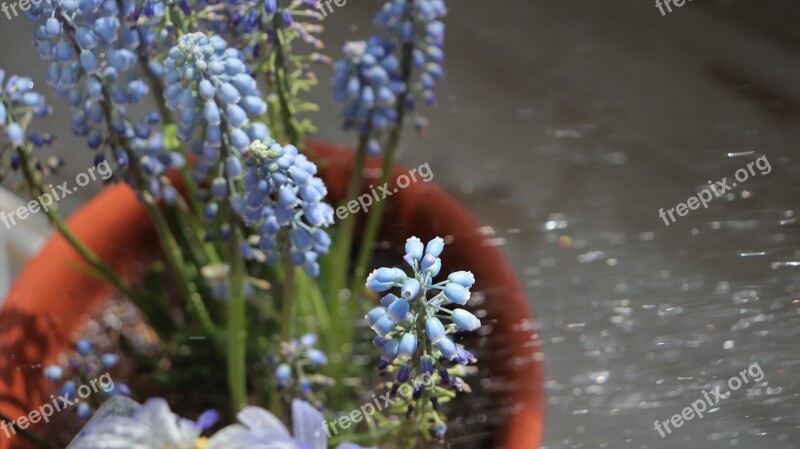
x,y
51,299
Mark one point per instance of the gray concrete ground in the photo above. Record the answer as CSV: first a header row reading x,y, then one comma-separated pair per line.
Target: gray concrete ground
x,y
566,126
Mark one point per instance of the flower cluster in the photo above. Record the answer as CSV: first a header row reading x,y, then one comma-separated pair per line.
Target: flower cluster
x,y
96,68
154,426
401,19
253,18
410,332
282,191
202,69
18,95
294,366
19,101
368,82
85,364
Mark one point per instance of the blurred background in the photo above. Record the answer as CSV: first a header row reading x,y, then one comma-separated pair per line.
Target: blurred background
x,y
565,126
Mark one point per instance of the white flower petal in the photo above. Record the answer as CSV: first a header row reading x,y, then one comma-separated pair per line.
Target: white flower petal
x,y
261,421
308,425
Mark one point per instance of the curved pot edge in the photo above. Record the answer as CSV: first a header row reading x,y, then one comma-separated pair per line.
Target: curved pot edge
x,y
33,337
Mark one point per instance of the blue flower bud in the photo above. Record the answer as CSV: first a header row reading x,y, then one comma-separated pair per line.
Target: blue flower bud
x,y
239,139
305,387
383,326
465,357
410,289
390,350
229,93
206,89
286,18
434,270
397,310
404,373
207,419
456,293
435,247
84,347
374,314
210,210
109,360
435,330
236,115
426,364
233,168
301,239
121,59
68,389
465,320
254,105
52,26
387,300
317,357
283,373
106,29
84,410
389,275
53,372
464,278
408,346
308,340
219,188
427,261
414,248
88,62
15,134
86,38
448,348
375,285
439,431
211,113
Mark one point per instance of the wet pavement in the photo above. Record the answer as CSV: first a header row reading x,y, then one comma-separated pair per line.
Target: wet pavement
x,y
566,127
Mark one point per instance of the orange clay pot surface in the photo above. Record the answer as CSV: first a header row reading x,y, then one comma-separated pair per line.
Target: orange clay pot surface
x,y
53,296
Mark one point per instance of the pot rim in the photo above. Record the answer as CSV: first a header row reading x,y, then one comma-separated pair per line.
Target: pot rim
x,y
38,319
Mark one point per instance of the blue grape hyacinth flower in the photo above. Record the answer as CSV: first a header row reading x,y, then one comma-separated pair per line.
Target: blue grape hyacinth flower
x,y
86,363
417,322
418,24
297,365
209,84
367,81
98,51
282,191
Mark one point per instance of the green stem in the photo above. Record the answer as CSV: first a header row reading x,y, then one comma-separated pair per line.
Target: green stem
x,y
37,191
340,260
237,330
27,434
167,240
174,256
291,127
287,325
376,213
